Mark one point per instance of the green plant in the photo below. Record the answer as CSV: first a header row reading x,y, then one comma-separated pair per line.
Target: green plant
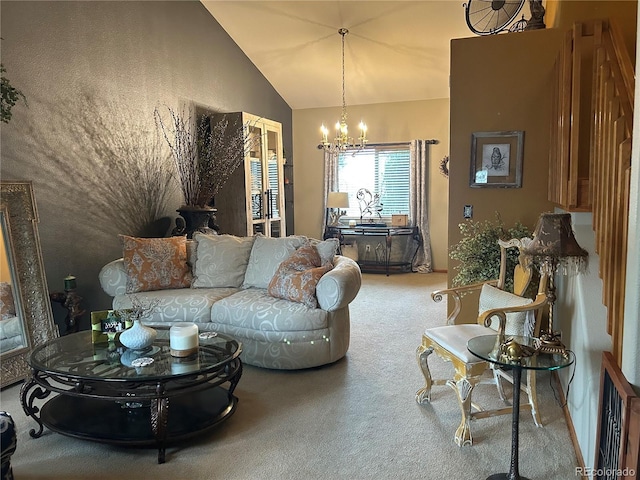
x,y
479,253
9,96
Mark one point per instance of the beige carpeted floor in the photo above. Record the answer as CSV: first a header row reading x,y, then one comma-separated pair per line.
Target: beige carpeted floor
x,y
355,419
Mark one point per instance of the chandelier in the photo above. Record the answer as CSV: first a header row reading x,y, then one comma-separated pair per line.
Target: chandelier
x,y
342,140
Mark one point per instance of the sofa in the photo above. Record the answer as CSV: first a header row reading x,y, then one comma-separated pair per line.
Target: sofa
x,y
287,314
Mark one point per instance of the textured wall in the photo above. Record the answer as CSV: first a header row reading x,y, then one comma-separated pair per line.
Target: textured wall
x,y
501,83
93,72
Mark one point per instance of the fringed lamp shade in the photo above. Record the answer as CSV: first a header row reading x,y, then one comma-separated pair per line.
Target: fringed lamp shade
x,y
554,247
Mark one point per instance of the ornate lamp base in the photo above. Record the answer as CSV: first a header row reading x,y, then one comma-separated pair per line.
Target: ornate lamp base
x,y
549,342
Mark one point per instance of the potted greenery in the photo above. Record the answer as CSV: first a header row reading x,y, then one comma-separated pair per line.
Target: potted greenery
x,y
479,253
205,153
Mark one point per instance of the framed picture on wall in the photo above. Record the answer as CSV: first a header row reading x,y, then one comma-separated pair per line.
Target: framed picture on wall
x,y
496,159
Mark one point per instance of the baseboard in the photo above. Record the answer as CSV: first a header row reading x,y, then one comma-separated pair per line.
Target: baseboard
x,y
570,427
437,270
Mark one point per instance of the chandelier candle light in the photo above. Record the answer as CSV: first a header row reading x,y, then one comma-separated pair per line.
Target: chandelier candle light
x,y
342,140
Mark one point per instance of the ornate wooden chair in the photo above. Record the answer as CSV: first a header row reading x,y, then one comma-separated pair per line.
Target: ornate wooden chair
x,y
498,311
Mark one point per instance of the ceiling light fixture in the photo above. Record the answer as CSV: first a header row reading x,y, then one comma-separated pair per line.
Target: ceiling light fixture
x,y
342,141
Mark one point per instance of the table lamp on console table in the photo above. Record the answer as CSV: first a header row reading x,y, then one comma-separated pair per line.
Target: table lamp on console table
x,y
336,201
554,249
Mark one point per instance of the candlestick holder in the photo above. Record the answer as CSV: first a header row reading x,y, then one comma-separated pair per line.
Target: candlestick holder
x,y
71,301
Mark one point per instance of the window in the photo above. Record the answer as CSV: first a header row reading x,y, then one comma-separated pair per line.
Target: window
x,y
381,169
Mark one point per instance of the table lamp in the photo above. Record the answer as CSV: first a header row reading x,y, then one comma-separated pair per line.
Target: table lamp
x,y
554,249
336,201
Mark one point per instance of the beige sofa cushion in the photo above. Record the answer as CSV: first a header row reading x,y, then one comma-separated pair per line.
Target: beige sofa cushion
x,y
266,255
254,309
220,260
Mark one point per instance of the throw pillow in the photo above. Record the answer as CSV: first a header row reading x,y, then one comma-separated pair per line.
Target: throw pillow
x,y
266,255
7,304
296,278
155,263
518,323
326,248
220,260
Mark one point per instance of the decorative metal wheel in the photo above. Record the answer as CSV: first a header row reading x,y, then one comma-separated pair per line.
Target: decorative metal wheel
x,y
488,17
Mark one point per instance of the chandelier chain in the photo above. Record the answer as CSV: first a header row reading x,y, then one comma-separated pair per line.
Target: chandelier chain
x,y
342,139
343,32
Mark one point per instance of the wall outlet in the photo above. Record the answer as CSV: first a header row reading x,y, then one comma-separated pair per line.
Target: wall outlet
x,y
367,248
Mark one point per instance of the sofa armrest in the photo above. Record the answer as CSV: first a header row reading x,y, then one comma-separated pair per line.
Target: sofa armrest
x,y
113,278
338,287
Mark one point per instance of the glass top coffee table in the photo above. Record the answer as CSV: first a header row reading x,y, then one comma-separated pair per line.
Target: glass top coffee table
x,y
487,348
110,394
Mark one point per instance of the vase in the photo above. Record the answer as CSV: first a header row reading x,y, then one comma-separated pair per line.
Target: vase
x,y
138,337
195,219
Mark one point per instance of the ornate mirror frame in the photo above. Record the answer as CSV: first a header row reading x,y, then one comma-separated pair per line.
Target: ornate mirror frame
x,y
18,205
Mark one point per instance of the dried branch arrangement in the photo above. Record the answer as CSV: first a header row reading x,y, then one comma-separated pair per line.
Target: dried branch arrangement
x,y
205,152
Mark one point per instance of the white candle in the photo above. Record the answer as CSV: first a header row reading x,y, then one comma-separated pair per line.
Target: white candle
x,y
183,339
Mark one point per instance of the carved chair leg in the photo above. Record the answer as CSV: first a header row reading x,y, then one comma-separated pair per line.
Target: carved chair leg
x,y
463,388
533,397
422,355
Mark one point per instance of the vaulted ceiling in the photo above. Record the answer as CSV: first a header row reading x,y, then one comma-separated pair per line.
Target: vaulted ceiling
x,y
395,50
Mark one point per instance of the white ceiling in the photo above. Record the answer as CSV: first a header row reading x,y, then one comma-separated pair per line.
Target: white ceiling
x,y
396,50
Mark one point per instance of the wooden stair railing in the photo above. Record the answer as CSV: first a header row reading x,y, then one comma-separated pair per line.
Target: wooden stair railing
x,y
590,162
618,431
610,169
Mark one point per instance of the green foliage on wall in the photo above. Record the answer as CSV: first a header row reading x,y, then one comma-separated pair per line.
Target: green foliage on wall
x,y
479,253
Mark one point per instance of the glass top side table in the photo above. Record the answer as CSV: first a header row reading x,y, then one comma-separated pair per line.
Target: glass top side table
x,y
487,348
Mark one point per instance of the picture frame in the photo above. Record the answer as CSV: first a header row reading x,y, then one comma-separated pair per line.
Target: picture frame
x,y
496,159
107,325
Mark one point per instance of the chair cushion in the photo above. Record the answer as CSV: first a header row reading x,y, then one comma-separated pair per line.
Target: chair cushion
x,y
454,338
155,263
518,322
266,255
220,260
297,277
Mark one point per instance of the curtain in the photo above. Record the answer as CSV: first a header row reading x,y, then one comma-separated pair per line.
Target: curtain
x,y
330,182
419,205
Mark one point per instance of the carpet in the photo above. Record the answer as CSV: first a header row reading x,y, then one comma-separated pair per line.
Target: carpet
x,y
355,419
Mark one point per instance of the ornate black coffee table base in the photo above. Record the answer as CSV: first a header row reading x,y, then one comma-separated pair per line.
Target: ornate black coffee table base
x,y
110,422
100,398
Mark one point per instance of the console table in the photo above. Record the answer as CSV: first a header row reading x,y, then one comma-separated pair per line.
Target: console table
x,y
380,248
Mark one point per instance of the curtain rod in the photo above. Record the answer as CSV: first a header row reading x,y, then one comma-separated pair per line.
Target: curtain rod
x,y
390,144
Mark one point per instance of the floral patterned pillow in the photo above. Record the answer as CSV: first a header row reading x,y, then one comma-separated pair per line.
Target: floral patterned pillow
x,y
155,263
296,278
